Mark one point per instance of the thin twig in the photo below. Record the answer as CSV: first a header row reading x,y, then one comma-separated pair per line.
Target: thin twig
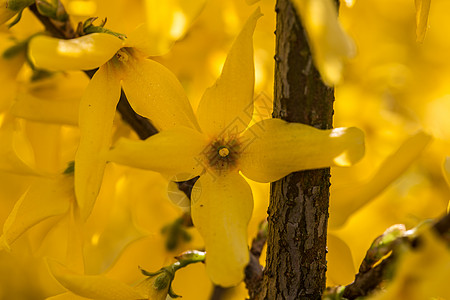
x,y
254,270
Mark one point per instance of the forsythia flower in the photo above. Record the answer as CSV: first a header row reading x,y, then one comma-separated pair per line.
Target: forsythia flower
x,y
329,43
121,65
221,146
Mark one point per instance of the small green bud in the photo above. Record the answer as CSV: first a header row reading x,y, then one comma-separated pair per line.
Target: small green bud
x,y
61,13
53,10
46,9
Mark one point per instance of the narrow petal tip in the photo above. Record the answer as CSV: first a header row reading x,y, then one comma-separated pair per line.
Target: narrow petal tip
x,y
354,138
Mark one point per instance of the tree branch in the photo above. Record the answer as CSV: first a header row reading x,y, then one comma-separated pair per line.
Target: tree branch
x,y
254,270
298,209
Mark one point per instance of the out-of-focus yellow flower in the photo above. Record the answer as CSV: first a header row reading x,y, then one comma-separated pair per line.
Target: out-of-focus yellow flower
x,y
16,154
422,10
329,43
53,100
10,64
346,201
93,286
45,198
421,273
265,152
167,21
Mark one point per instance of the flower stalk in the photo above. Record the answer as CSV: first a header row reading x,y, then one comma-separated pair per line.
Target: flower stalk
x,y
162,279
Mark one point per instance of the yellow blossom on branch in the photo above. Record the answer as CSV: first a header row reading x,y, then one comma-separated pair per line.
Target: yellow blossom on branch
x,y
121,65
222,200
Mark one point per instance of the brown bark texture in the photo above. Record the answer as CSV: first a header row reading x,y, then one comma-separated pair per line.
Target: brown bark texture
x,y
298,209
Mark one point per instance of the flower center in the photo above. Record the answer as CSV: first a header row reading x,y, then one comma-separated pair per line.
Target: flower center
x,y
222,154
122,55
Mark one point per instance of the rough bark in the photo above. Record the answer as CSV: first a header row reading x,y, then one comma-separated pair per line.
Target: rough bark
x,y
298,209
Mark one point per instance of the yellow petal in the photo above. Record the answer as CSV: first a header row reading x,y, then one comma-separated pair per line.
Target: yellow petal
x,y
171,152
97,109
422,11
66,296
47,110
83,53
142,40
155,93
229,102
344,202
16,154
92,286
46,142
52,100
340,269
221,209
274,148
45,198
104,247
329,43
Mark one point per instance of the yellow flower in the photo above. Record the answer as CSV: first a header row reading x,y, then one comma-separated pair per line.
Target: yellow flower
x,y
122,64
329,43
222,201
